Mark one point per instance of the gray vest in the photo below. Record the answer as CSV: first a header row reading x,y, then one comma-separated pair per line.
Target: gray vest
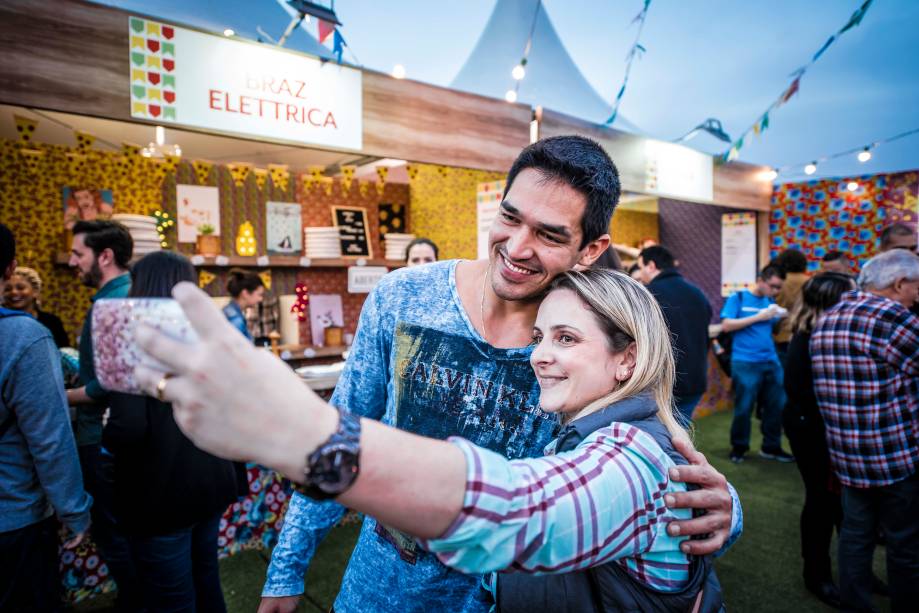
x,y
609,587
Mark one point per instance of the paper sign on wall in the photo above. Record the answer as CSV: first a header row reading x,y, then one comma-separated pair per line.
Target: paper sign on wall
x,y
362,279
196,205
284,233
738,252
488,200
186,77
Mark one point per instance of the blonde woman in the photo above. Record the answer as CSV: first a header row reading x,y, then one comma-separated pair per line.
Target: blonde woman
x,y
23,293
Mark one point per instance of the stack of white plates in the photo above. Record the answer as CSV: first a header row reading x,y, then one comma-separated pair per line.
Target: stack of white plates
x,y
396,245
143,231
322,242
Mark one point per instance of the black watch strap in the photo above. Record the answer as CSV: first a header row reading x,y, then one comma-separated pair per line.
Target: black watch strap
x,y
333,467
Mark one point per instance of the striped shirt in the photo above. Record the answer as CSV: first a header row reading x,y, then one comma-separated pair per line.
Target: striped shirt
x,y
865,353
602,501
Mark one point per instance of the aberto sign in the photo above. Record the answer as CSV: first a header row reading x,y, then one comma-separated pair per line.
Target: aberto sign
x,y
189,78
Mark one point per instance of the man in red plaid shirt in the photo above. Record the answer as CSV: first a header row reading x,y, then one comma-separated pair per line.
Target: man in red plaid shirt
x,y
865,353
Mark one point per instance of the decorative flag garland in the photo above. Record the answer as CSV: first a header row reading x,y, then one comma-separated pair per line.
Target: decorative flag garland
x,y
511,95
634,52
762,123
858,150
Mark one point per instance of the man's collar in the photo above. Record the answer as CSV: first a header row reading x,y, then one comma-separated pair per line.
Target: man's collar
x,y
112,285
666,274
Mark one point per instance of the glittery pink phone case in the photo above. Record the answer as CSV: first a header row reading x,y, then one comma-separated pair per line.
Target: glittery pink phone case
x,y
115,351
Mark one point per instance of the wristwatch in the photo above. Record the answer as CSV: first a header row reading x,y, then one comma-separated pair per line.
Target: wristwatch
x,y
332,468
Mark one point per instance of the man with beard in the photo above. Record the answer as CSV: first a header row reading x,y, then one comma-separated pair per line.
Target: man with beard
x,y
99,254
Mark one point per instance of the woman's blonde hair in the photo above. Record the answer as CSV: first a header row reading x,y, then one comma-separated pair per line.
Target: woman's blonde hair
x,y
32,278
627,312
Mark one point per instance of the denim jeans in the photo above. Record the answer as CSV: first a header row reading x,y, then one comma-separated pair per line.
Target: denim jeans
x,y
754,380
179,570
685,405
895,509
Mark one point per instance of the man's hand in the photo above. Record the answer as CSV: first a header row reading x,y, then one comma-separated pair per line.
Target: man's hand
x,y
74,542
78,396
281,604
713,498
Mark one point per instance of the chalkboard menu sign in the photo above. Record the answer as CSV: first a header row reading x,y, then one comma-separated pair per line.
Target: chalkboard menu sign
x,y
352,227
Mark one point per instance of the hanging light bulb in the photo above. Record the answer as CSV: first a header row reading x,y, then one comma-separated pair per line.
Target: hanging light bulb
x,y
770,175
511,96
810,168
864,156
852,186
398,71
518,72
229,32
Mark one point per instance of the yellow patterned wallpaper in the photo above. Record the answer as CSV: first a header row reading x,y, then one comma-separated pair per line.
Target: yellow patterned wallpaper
x,y
442,206
630,227
31,205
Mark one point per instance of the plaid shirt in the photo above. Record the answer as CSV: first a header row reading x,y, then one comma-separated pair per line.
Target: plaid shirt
x,y
865,353
602,501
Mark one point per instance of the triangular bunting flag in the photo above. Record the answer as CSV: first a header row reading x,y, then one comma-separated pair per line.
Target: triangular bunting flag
x,y
26,129
202,170
85,141
239,171
265,276
347,177
279,176
325,28
205,278
261,177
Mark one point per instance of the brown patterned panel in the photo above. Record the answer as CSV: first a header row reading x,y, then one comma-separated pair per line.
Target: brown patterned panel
x,y
443,206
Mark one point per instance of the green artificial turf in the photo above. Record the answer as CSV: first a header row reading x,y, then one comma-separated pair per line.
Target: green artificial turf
x,y
762,572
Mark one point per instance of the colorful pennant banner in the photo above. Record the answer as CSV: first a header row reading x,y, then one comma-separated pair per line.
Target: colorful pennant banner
x,y
636,51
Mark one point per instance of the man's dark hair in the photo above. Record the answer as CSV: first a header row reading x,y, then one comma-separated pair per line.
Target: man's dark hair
x,y
771,270
584,165
791,260
833,256
661,257
100,235
155,274
7,248
895,229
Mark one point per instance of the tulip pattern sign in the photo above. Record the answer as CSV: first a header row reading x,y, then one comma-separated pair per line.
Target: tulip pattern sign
x,y
153,65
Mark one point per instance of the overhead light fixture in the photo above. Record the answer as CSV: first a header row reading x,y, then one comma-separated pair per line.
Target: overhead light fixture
x,y
852,186
518,72
229,32
810,168
158,148
511,96
864,156
398,71
770,175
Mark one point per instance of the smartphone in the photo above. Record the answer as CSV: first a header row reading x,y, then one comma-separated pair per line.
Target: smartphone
x,y
115,350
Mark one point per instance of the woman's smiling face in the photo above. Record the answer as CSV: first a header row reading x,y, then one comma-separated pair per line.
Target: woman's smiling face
x,y
572,359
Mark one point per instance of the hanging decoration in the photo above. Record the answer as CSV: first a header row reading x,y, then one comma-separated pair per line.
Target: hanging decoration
x,y
347,177
245,239
279,175
239,171
301,303
26,129
163,223
32,159
205,278
325,28
261,177
519,71
364,188
265,276
85,141
382,171
315,176
412,171
327,184
863,154
635,51
762,122
202,170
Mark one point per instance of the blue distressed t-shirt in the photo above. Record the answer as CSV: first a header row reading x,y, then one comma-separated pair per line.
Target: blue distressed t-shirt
x,y
753,343
417,363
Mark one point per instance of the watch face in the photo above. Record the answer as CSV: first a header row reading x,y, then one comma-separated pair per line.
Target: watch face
x,y
336,471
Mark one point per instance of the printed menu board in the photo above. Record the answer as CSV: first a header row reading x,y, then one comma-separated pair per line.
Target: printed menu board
x,y
352,226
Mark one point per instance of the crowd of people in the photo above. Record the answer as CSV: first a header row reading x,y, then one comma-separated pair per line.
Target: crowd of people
x,y
527,412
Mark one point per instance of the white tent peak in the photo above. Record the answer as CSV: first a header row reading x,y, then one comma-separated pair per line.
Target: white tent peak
x,y
552,79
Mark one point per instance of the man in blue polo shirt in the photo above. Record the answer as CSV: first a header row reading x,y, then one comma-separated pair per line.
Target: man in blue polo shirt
x,y
755,369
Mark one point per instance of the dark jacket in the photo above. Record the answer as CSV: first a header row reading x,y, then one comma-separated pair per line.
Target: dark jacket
x,y
688,315
163,483
54,325
609,587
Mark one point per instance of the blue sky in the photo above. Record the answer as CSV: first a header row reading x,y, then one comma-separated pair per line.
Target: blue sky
x,y
705,58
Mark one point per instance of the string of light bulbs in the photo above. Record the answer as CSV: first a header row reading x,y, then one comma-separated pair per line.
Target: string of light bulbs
x,y
863,154
519,71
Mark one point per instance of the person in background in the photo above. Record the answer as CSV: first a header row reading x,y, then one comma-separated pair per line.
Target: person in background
x,y
23,293
835,261
794,263
39,469
865,353
688,314
421,251
609,260
100,253
246,290
899,235
805,430
634,271
264,318
169,495
755,369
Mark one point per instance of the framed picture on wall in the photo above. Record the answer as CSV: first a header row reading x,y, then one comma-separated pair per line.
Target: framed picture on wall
x,y
355,235
284,228
86,204
196,206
